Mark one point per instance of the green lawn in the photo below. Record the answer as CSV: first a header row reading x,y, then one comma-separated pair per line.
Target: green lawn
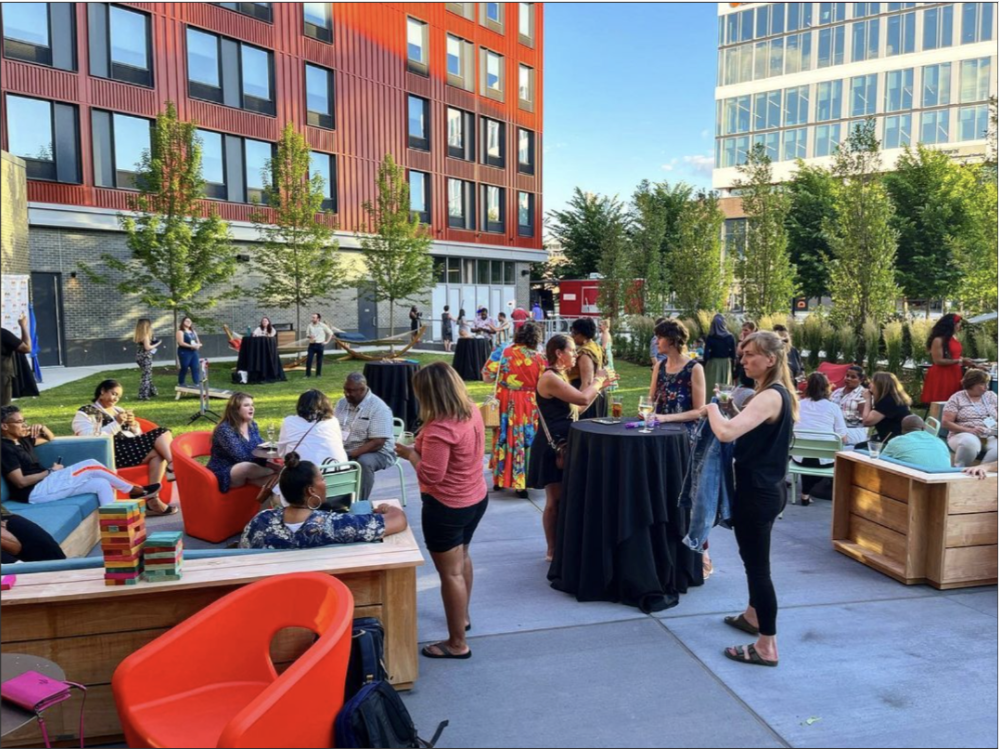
x,y
55,408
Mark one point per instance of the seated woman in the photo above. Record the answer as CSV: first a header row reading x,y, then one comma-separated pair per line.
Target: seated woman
x,y
133,447
678,385
817,413
233,442
25,541
265,329
970,416
850,397
302,525
885,407
312,432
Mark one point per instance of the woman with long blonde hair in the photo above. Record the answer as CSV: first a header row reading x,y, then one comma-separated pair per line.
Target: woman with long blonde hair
x,y
886,406
145,346
763,435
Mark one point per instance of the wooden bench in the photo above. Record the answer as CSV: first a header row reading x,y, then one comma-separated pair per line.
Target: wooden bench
x,y
939,529
87,628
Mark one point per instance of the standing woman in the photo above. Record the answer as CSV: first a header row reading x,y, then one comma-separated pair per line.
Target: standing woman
x,y
447,328
516,370
233,442
414,321
763,435
448,458
678,385
187,352
720,355
590,359
944,378
464,326
145,347
558,404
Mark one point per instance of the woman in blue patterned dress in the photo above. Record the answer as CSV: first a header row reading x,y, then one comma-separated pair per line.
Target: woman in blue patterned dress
x,y
233,444
302,525
678,385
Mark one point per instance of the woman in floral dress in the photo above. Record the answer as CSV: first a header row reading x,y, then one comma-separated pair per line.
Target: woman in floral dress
x,y
678,385
518,368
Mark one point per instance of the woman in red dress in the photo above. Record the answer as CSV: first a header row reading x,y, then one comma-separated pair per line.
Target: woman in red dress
x,y
944,378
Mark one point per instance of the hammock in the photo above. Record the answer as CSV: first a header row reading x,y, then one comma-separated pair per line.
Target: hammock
x,y
352,353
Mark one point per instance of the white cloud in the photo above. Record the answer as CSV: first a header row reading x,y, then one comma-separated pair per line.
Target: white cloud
x,y
701,163
704,134
669,166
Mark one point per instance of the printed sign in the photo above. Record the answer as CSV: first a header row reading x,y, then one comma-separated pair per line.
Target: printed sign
x,y
15,300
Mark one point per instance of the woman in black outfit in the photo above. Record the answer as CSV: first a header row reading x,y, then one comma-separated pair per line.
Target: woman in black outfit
x,y
763,431
25,541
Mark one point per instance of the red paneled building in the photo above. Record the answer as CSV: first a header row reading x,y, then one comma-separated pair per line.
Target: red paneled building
x,y
452,90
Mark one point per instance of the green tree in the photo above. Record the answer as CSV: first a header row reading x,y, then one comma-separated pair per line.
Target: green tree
x,y
811,195
297,254
616,268
765,272
582,230
861,236
656,210
975,245
181,251
701,272
929,208
991,140
396,249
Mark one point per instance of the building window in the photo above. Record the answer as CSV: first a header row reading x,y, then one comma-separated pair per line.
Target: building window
x,y
737,115
461,208
317,21
798,52
939,27
461,134
213,164
493,209
256,157
897,131
41,33
466,10
525,151
865,39
203,64
827,139
934,126
461,63
831,47
526,214
417,46
937,85
492,81
975,81
454,271
829,100
734,151
771,143
973,123
899,90
526,23
419,119
767,110
325,166
800,16
260,11
121,45
256,74
797,105
46,135
794,144
229,72
864,92
832,13
901,35
777,18
866,9
319,97
526,87
491,16
119,143
494,143
977,22
420,195
777,65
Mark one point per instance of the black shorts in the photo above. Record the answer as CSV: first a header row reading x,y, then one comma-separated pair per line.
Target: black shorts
x,y
446,528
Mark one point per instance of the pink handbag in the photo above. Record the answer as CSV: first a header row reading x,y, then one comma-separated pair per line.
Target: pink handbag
x,y
35,692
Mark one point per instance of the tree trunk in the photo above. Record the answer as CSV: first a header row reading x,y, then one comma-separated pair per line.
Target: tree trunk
x,y
177,351
392,326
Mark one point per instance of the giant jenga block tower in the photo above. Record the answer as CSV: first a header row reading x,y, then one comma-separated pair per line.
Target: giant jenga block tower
x,y
163,556
123,532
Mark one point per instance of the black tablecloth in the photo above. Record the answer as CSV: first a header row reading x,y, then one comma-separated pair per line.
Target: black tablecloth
x,y
259,359
393,383
24,384
470,356
620,521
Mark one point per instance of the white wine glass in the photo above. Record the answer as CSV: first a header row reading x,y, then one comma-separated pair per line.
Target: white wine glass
x,y
645,411
271,448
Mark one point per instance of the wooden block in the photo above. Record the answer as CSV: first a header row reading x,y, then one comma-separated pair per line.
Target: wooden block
x,y
971,529
881,482
874,560
879,509
83,538
972,496
973,566
880,539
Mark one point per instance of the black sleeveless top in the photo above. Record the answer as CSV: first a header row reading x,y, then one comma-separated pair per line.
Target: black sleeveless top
x,y
558,415
762,454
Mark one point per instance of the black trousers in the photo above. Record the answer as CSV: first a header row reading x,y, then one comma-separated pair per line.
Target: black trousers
x,y
315,352
36,543
754,512
809,482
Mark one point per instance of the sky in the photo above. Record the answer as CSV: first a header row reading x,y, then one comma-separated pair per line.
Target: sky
x,y
629,95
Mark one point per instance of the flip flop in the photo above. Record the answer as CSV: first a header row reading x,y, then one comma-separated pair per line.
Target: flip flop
x,y
749,655
445,653
741,623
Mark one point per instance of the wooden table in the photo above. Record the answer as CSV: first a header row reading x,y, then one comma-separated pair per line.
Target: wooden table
x,y
14,717
939,529
72,618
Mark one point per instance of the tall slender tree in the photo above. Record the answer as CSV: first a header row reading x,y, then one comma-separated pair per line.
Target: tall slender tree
x,y
656,210
811,194
298,253
975,245
582,229
765,272
701,272
181,251
396,248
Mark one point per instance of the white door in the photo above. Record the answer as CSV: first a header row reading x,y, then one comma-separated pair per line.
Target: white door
x,y
438,297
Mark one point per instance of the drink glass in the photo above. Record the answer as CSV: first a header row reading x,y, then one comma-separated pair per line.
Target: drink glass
x,y
271,448
407,438
725,393
617,408
874,448
645,411
96,422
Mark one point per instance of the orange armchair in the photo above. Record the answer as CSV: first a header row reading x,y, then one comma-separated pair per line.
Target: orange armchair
x,y
209,514
140,474
210,682
834,373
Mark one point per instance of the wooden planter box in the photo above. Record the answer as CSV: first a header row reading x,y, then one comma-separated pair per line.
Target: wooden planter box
x,y
939,529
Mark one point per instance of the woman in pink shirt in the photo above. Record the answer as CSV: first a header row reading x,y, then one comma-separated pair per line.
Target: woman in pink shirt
x,y
448,457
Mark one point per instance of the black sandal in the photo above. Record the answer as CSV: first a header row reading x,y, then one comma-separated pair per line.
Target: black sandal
x,y
741,623
748,655
445,652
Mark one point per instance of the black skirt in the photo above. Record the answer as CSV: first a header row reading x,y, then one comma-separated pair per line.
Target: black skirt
x,y
542,469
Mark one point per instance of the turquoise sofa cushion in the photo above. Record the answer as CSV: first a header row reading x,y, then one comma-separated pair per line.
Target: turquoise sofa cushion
x,y
60,517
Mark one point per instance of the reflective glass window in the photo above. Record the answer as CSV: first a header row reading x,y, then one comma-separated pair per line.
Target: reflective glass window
x,y
29,128
212,164
973,122
939,27
256,72
131,140
975,80
899,90
203,57
829,100
827,139
937,85
897,131
934,126
129,37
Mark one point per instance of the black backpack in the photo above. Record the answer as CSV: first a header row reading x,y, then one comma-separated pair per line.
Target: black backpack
x,y
376,718
367,664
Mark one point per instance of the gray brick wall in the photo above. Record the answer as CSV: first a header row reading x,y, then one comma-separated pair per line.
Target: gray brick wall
x,y
13,216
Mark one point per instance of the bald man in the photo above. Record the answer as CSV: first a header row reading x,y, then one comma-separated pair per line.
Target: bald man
x,y
918,447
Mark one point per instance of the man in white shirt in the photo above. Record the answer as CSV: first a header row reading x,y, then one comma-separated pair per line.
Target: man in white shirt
x,y
366,425
319,335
